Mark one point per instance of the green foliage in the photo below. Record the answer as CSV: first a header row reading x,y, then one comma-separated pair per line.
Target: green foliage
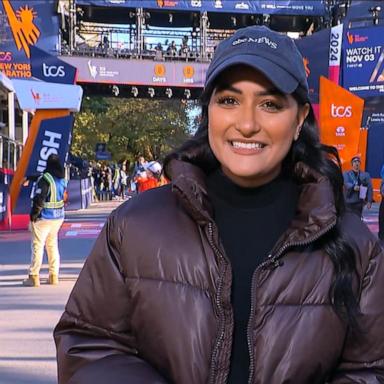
x,y
131,127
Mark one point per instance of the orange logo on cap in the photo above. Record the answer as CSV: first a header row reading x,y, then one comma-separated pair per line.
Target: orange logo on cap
x,y
159,70
25,32
188,71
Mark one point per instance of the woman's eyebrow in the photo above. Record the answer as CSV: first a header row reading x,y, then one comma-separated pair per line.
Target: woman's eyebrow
x,y
267,92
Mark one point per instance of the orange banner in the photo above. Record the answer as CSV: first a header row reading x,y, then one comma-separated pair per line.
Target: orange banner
x,y
340,120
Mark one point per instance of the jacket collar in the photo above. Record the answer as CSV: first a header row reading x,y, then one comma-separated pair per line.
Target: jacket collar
x,y
316,210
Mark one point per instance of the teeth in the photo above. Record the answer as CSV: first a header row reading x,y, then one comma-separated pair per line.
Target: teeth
x,y
238,144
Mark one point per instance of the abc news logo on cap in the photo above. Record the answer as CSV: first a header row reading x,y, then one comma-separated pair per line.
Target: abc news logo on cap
x,y
341,111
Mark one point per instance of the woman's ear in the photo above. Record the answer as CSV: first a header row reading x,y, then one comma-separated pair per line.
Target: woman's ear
x,y
301,116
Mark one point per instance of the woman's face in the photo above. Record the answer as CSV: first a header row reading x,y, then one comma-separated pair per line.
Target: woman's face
x,y
252,126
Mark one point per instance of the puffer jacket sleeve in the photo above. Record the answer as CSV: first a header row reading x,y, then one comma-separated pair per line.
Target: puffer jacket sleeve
x,y
363,356
93,337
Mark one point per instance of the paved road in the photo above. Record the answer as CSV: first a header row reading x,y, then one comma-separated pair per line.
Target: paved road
x,y
28,315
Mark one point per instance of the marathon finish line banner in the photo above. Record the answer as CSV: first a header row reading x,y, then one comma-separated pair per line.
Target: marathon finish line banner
x,y
26,23
138,72
363,64
282,7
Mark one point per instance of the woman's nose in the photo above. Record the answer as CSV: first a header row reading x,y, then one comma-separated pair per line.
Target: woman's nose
x,y
247,123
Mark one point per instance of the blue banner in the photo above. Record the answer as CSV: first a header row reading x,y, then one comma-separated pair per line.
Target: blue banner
x,y
375,150
53,138
3,200
23,24
363,61
315,52
283,7
50,69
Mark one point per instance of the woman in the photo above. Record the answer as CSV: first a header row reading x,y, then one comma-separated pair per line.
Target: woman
x,y
246,268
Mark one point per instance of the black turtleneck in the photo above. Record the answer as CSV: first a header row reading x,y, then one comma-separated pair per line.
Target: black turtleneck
x,y
250,221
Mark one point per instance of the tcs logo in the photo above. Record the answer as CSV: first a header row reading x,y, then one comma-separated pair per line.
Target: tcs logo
x,y
53,70
5,56
341,111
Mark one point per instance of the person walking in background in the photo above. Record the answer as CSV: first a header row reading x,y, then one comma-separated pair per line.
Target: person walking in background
x,y
116,181
123,181
246,268
47,216
150,177
357,188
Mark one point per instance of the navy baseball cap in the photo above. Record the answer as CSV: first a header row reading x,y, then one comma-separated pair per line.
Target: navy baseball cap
x,y
272,53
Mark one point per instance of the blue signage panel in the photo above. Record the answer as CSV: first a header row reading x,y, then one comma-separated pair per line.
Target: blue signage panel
x,y
50,69
315,52
363,61
53,138
23,24
284,7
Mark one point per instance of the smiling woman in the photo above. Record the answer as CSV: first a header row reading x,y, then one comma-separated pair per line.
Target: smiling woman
x,y
246,267
252,126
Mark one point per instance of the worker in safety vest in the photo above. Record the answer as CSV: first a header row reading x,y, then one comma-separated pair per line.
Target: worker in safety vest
x,y
47,216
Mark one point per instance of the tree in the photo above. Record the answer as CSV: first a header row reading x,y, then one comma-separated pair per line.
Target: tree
x,y
131,127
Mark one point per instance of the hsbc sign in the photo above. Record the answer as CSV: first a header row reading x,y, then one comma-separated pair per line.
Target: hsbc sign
x,y
340,111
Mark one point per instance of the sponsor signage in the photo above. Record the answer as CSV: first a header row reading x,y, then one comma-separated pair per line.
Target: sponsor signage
x,y
49,68
373,112
102,153
24,24
340,119
315,51
138,72
285,7
53,138
335,44
33,95
363,65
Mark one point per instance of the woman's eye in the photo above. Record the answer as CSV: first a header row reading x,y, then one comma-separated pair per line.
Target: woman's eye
x,y
271,106
226,100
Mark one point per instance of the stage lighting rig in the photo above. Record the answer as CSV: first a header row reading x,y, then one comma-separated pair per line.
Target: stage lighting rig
x,y
169,92
134,91
151,92
187,93
115,90
375,13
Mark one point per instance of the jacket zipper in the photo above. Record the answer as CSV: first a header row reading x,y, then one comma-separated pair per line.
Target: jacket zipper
x,y
218,304
274,261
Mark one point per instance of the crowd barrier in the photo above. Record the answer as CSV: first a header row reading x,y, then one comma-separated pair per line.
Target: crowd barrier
x,y
79,194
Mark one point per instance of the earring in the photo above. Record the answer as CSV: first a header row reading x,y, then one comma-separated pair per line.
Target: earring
x,y
298,132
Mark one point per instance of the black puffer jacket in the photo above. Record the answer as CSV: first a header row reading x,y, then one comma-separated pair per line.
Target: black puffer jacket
x,y
153,299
